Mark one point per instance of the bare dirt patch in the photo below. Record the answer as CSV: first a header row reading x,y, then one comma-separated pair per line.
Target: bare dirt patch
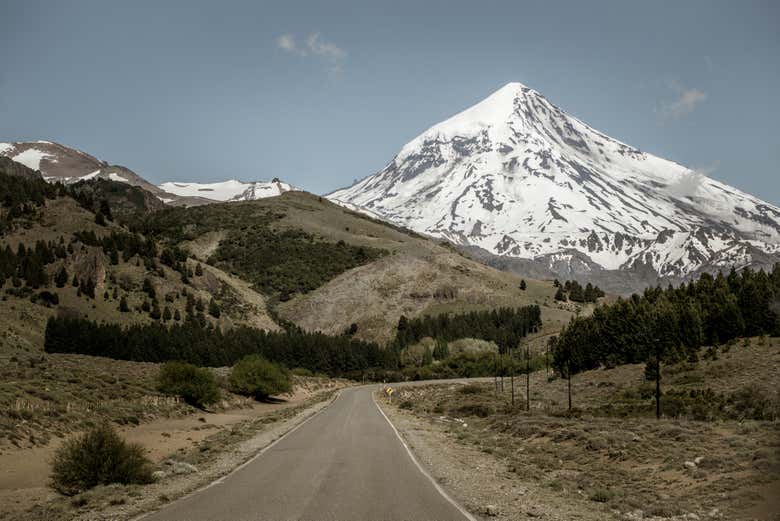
x,y
188,453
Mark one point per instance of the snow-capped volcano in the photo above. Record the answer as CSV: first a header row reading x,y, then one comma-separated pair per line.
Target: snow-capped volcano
x,y
518,177
231,190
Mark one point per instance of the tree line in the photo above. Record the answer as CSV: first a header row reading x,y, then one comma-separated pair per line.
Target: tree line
x,y
197,343
504,326
672,324
573,290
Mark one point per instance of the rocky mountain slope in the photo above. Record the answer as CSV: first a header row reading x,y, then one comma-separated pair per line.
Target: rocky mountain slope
x,y
60,163
518,178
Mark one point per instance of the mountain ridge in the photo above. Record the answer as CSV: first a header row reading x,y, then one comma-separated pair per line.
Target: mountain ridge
x,y
58,162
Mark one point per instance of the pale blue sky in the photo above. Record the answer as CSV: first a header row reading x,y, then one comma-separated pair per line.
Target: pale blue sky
x,y
320,93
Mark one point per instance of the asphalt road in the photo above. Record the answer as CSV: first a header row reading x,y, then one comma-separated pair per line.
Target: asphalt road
x,y
345,463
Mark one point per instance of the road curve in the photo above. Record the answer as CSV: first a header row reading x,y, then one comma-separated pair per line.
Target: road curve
x,y
346,463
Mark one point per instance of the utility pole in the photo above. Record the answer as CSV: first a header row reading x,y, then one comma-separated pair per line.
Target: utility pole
x,y
657,379
527,378
547,359
568,374
501,368
512,375
495,373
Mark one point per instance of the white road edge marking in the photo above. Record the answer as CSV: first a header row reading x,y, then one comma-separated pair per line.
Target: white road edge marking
x,y
265,449
425,473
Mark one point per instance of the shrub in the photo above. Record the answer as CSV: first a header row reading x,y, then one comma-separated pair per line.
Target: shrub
x,y
470,389
752,403
475,409
98,457
255,376
601,495
195,385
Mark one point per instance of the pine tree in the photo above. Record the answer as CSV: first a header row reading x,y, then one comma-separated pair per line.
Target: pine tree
x,y
88,288
100,219
176,315
123,307
105,209
166,316
148,288
198,270
214,310
62,277
427,356
560,295
522,285
75,282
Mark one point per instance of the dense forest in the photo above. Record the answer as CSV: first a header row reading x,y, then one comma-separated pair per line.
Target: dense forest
x,y
287,261
21,195
276,261
197,343
504,326
673,323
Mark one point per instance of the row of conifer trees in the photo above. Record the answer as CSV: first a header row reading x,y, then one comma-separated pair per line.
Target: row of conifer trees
x,y
673,323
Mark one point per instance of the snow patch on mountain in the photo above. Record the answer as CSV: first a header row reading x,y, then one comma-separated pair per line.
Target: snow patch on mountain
x,y
518,177
230,190
31,158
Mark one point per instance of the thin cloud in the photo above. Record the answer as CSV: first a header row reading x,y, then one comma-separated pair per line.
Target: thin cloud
x,y
314,45
325,49
689,183
286,42
687,100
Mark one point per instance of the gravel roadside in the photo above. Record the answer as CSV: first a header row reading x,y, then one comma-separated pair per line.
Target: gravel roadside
x,y
213,458
481,482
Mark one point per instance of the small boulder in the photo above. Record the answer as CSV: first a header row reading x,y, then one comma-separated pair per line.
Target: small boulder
x,y
157,475
491,510
181,467
690,465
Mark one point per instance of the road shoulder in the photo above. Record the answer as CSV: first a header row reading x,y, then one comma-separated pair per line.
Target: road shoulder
x,y
212,459
481,482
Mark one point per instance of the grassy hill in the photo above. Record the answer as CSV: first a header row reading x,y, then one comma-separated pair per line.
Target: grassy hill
x,y
328,267
60,221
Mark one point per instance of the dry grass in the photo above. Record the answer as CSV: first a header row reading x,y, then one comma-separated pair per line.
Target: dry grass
x,y
632,462
46,396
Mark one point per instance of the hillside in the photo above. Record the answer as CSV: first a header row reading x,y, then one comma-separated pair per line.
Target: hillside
x,y
367,272
519,178
105,273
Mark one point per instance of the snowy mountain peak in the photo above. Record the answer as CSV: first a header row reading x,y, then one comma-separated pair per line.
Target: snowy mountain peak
x,y
517,176
57,162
